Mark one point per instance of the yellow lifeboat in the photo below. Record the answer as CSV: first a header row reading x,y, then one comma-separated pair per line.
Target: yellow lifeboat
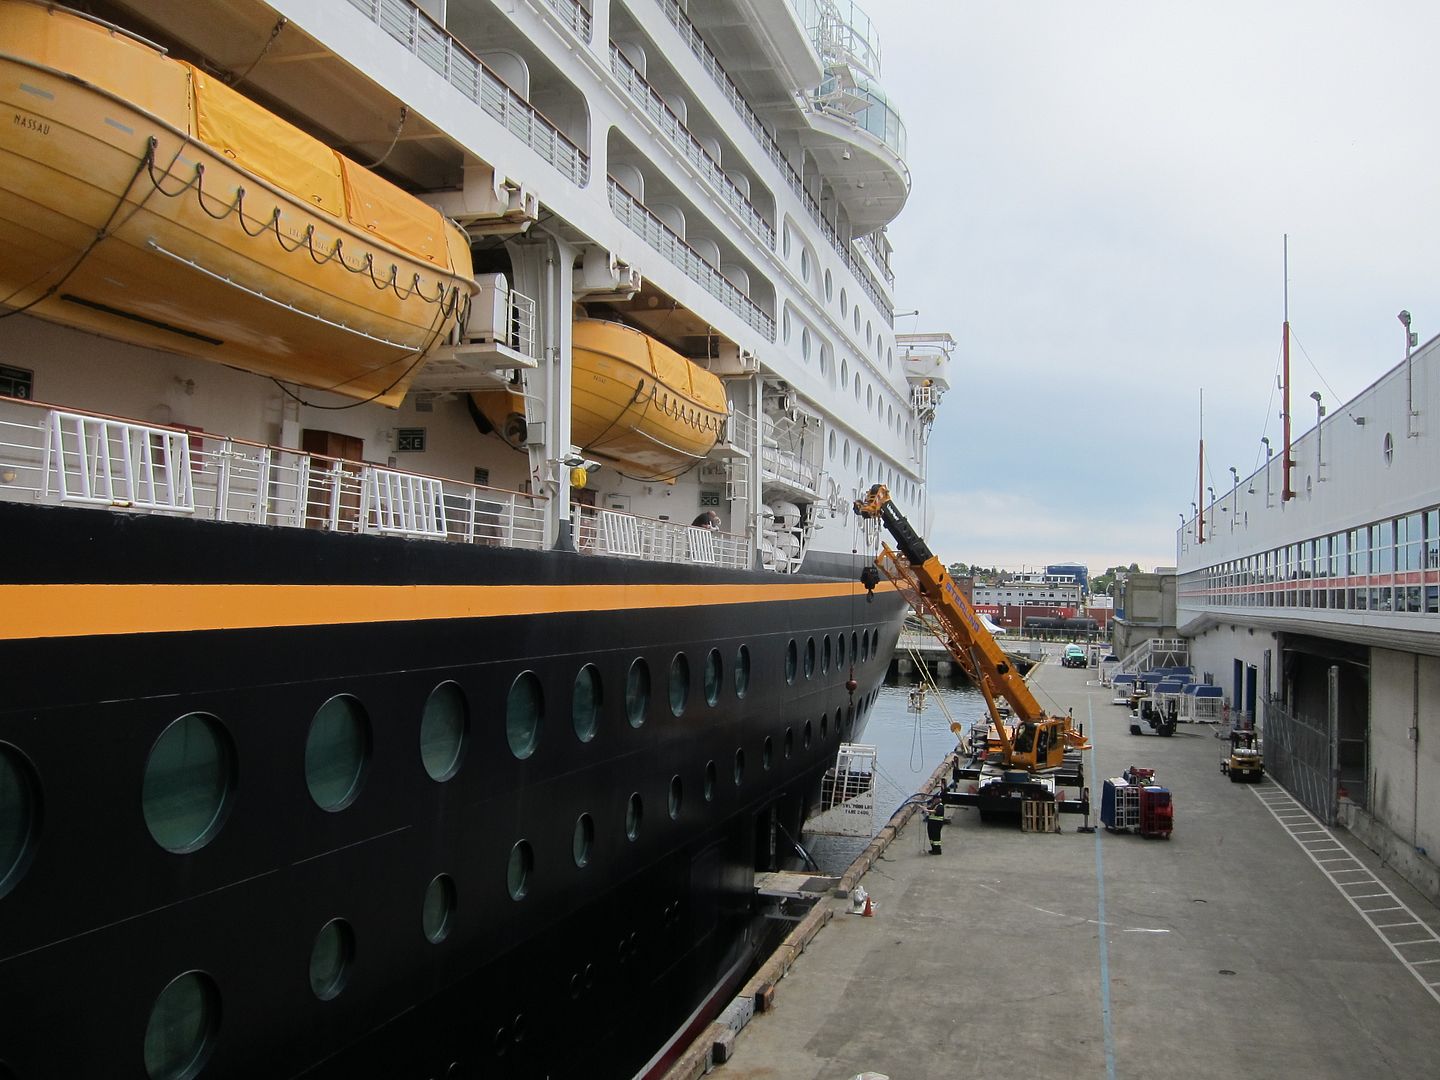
x,y
144,200
634,400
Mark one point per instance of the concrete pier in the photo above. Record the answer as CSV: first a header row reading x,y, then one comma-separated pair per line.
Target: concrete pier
x,y
1236,948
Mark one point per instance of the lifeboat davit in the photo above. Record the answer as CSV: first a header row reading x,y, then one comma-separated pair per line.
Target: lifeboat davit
x,y
634,401
144,200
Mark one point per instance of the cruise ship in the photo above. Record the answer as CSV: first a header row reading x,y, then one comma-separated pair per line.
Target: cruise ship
x,y
1309,592
428,438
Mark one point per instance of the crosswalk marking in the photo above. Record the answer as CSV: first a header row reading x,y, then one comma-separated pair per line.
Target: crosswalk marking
x,y
1300,823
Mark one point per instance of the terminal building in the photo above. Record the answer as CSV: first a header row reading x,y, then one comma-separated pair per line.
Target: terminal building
x,y
1313,599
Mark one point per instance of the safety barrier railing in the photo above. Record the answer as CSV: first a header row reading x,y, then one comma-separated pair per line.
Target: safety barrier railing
x,y
639,219
434,46
655,107
607,532
574,16
67,457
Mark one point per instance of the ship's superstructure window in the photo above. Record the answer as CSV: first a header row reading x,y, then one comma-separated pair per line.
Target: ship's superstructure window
x,y
792,659
181,1031
585,703
679,683
637,692
710,773
677,795
336,752
188,778
523,709
330,958
519,868
809,657
437,914
712,677
19,810
443,726
634,815
742,671
582,840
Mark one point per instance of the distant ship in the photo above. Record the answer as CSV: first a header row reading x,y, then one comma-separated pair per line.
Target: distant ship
x,y
427,438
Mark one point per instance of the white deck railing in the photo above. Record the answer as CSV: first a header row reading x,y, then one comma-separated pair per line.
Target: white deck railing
x,y
65,457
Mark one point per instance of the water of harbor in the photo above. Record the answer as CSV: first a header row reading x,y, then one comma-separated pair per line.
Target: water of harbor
x,y
909,744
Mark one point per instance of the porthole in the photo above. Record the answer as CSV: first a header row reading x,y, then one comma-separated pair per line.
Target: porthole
x,y
188,778
19,815
634,815
443,727
710,773
523,709
742,671
180,1034
857,319
844,304
637,692
824,726
677,794
806,734
809,657
869,332
330,959
336,752
824,359
847,453
844,372
792,658
437,915
583,840
805,265
869,398
855,648
712,677
767,753
829,285
739,766
839,650
857,386
831,445
585,703
785,326
825,656
519,868
1387,447
679,683
805,343
789,742
889,359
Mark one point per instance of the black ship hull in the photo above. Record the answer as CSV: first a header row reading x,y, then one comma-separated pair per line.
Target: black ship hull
x,y
593,851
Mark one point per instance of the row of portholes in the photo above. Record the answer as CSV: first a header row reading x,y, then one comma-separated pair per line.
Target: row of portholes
x,y
806,259
184,1021
192,769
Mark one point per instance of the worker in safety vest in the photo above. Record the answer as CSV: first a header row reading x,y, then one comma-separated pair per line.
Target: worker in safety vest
x,y
935,821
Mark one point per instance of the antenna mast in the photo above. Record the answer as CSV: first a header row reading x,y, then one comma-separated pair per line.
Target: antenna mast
x,y
1286,461
1200,495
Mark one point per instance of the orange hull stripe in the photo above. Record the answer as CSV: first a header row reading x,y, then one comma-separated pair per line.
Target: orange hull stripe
x,y
49,611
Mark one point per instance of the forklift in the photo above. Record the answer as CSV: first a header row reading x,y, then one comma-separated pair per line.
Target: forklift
x,y
1245,762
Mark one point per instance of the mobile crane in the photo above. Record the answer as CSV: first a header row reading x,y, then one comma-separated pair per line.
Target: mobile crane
x,y
1040,750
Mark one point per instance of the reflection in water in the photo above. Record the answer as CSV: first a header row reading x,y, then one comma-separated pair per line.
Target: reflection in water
x,y
908,746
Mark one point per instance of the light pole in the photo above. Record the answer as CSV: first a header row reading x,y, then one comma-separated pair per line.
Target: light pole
x,y
1266,440
1319,415
1410,413
1234,496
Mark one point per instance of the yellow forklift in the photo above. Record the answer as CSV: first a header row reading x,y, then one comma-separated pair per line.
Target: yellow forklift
x,y
1245,762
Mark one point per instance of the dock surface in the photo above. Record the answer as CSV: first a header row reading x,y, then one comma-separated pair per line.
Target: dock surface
x,y
1236,948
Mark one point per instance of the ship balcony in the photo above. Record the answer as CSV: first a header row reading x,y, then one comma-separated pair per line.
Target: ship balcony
x,y
711,66
576,16
858,140
690,147
646,224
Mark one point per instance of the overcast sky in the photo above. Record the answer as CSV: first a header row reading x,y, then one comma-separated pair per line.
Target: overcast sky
x,y
1100,194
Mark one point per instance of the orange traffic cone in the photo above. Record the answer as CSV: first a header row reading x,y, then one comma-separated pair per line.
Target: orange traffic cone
x,y
869,911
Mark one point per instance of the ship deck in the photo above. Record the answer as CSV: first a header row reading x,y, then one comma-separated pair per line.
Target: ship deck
x,y
1252,943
